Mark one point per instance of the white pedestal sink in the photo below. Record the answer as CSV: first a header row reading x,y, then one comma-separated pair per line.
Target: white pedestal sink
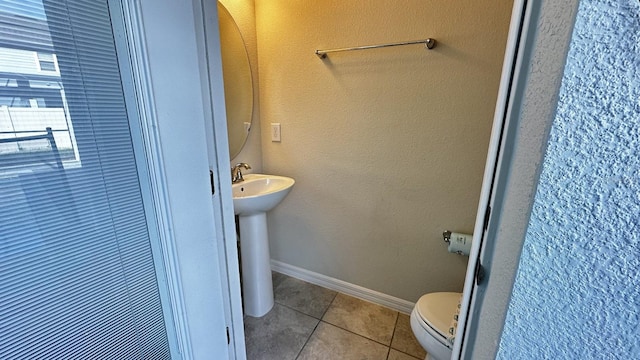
x,y
252,198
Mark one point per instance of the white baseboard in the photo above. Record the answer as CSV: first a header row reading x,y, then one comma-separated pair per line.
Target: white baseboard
x,y
344,287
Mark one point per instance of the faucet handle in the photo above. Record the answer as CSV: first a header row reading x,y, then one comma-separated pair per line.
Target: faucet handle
x,y
244,165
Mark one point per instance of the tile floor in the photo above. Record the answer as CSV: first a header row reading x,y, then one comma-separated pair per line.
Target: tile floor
x,y
310,322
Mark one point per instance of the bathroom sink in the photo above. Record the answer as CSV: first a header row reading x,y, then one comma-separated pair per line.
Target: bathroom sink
x,y
259,193
252,198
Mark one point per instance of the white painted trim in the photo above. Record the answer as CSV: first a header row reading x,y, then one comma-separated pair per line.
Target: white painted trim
x,y
518,16
148,121
344,287
541,48
215,128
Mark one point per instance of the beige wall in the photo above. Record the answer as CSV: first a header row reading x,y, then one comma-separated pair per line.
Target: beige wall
x,y
387,146
243,14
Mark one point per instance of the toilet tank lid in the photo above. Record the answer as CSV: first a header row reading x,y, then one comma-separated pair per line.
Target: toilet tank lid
x,y
437,310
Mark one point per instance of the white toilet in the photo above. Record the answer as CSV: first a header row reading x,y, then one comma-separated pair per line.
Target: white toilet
x,y
431,320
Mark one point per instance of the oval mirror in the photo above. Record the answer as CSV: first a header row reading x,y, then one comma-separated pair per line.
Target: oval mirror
x,y
238,84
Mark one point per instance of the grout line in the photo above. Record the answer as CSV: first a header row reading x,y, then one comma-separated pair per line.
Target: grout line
x,y
361,335
304,313
331,303
389,347
339,327
395,326
312,331
355,333
394,334
308,338
298,311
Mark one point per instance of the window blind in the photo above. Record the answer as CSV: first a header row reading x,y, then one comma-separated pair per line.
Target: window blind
x,y
77,277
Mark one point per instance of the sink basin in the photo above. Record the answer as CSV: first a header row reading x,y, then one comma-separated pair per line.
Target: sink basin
x,y
259,193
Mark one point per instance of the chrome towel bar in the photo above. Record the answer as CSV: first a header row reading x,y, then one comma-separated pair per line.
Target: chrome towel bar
x,y
428,43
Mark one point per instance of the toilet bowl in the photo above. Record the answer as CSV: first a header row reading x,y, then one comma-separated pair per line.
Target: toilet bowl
x,y
430,321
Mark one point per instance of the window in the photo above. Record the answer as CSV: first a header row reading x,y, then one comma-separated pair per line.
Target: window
x,y
78,278
32,97
47,62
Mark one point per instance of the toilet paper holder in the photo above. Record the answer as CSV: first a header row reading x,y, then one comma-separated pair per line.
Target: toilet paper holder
x,y
458,243
446,235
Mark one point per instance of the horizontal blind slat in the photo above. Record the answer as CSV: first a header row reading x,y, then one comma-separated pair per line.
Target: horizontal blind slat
x,y
78,279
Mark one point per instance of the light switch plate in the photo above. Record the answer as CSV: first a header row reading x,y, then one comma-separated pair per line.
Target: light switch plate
x,y
275,132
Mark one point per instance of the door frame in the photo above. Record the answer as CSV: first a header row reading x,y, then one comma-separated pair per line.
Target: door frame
x,y
506,173
536,52
136,85
162,55
212,84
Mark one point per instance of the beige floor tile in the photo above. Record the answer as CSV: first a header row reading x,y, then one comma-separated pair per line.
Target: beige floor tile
x,y
277,278
362,317
397,355
329,342
300,295
279,335
404,340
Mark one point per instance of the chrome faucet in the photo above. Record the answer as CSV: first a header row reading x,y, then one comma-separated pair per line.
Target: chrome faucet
x,y
236,172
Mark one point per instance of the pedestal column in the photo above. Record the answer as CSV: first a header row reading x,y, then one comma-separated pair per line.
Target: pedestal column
x,y
257,284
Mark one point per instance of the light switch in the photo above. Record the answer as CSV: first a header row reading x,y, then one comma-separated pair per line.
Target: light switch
x,y
275,132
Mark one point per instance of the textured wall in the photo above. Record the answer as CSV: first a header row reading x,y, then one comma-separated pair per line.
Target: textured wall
x,y
387,146
576,293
